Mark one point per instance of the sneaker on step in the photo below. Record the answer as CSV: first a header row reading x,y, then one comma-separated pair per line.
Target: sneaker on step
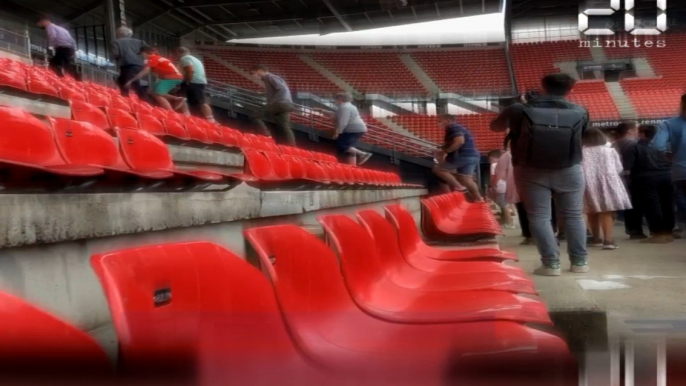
x,y
595,243
509,226
548,270
610,247
580,267
364,158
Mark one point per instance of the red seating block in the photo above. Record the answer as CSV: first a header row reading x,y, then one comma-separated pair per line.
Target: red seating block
x,y
451,216
86,112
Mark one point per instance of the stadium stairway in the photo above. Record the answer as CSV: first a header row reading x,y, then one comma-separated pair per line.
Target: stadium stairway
x,y
419,73
622,101
345,86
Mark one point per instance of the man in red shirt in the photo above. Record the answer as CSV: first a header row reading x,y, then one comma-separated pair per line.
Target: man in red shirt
x,y
168,78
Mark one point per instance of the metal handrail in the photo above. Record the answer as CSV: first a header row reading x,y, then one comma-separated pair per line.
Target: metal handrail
x,y
22,49
320,118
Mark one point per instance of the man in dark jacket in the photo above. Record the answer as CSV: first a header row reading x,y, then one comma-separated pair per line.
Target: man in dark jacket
x,y
652,189
126,51
627,134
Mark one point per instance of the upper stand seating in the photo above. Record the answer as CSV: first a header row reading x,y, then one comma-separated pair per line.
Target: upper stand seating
x,y
427,127
219,72
372,72
298,75
595,97
480,72
529,72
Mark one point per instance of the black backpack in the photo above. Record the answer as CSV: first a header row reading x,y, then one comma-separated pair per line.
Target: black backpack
x,y
550,135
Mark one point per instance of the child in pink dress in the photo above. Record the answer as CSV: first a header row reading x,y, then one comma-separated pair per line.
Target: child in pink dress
x,y
605,192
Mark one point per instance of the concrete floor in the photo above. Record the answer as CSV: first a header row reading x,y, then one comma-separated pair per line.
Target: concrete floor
x,y
640,286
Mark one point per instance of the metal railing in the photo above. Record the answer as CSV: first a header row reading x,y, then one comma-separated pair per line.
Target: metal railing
x,y
320,120
15,42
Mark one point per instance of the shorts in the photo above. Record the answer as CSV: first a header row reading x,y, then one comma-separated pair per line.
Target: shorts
x,y
347,140
465,166
163,86
195,92
500,200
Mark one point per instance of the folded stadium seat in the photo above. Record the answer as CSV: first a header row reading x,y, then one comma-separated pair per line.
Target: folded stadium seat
x,y
195,132
121,118
448,223
143,151
13,79
231,138
28,155
72,93
81,143
119,102
416,251
38,85
391,256
151,124
380,295
97,98
173,126
138,106
328,326
86,112
215,134
34,343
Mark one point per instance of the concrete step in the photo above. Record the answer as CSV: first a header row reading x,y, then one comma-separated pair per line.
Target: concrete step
x,y
329,75
622,101
598,54
398,128
643,68
419,73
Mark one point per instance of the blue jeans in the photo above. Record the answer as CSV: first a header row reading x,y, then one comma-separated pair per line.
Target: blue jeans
x,y
536,188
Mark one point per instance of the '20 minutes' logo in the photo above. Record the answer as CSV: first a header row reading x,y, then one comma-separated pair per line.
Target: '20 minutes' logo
x,y
629,20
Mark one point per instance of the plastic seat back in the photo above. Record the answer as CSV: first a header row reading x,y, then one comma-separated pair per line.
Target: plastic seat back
x,y
258,165
150,124
25,139
97,98
39,86
170,301
172,124
34,342
81,143
295,167
305,275
143,151
121,118
120,103
357,252
278,165
385,237
12,79
195,132
408,234
73,94
86,112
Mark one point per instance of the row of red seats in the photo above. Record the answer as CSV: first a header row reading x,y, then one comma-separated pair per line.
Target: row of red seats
x,y
270,166
377,319
451,215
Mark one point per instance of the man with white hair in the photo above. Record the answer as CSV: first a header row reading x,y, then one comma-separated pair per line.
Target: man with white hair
x,y
126,51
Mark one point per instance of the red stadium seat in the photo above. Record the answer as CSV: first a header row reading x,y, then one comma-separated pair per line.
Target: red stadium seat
x,y
450,216
13,79
40,86
119,102
450,278
97,97
195,132
36,343
399,300
121,118
86,112
420,255
81,143
73,94
328,326
172,124
27,147
142,151
151,124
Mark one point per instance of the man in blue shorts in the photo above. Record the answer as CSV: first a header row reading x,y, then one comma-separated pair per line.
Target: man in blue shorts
x,y
458,154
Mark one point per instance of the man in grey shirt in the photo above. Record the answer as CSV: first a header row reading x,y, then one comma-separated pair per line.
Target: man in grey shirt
x,y
350,128
279,105
126,51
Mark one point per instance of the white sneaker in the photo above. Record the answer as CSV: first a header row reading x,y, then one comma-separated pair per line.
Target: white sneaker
x,y
580,268
509,226
364,159
610,247
552,270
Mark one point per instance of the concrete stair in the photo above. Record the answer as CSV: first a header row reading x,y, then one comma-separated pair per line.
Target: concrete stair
x,y
419,73
329,75
643,68
598,54
233,68
397,128
622,101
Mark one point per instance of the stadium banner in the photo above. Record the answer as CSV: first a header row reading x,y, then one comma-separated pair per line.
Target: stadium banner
x,y
427,46
610,124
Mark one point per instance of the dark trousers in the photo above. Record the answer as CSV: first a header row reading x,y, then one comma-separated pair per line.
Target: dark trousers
x,y
63,62
524,219
653,195
280,114
633,218
126,73
680,199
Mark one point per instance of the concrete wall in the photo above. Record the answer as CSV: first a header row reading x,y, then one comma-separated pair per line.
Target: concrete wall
x,y
46,240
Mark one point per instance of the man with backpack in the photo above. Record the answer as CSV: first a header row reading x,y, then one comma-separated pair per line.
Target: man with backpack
x,y
546,155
